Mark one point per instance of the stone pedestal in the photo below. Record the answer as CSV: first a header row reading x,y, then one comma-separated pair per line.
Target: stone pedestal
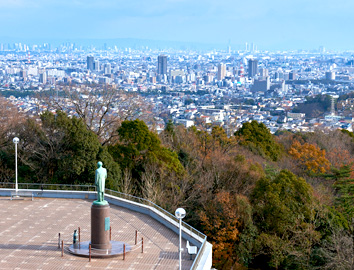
x,y
100,225
101,246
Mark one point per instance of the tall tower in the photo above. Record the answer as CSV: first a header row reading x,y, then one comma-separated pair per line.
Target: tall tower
x,y
162,64
252,67
90,61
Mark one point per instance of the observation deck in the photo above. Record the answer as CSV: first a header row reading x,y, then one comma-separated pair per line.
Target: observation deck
x,y
29,231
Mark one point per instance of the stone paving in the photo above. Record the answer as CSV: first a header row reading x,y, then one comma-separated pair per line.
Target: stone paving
x,y
29,237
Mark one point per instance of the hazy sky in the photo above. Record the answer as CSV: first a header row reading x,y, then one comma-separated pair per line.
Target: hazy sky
x,y
272,24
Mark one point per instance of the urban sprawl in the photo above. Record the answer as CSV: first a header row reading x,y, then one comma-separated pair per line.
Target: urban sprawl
x,y
192,88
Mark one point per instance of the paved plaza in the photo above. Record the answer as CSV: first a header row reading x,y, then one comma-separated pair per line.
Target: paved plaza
x,y
29,236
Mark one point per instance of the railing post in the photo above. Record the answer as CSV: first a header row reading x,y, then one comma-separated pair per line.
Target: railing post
x,y
79,235
110,233
142,245
90,253
136,236
123,251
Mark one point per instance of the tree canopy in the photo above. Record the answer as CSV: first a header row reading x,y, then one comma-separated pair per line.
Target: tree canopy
x,y
259,139
62,150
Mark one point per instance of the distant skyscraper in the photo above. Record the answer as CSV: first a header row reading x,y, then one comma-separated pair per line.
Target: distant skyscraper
x,y
330,75
221,71
90,61
263,72
292,75
23,74
107,68
43,77
162,64
252,67
96,65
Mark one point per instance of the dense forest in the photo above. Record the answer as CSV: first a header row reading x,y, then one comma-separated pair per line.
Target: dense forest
x,y
283,201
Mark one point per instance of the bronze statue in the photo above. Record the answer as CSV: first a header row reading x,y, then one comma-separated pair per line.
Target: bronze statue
x,y
100,179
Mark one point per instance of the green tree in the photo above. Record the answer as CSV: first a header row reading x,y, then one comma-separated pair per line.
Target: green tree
x,y
283,212
63,150
138,147
345,199
259,139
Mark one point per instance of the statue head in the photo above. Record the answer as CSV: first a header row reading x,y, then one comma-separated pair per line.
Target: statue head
x,y
99,164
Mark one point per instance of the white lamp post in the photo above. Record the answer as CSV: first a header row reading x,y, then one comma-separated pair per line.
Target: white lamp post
x,y
15,141
180,213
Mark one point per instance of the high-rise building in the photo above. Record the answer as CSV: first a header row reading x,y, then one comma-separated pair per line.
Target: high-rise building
x,y
107,68
162,64
96,65
263,72
330,75
221,71
292,75
23,74
43,77
261,85
90,61
252,67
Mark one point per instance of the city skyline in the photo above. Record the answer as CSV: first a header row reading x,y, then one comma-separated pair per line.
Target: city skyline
x,y
274,25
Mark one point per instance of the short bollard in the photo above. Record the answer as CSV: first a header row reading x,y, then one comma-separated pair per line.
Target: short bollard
x,y
136,236
123,251
62,248
79,235
142,245
75,237
90,253
58,240
110,233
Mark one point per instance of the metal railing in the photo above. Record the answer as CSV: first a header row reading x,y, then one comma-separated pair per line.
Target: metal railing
x,y
49,186
185,225
199,255
149,203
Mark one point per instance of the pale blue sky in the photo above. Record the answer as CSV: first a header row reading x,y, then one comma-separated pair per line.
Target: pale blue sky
x,y
272,24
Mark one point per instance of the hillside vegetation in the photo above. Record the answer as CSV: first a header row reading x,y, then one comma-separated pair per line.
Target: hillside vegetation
x,y
264,201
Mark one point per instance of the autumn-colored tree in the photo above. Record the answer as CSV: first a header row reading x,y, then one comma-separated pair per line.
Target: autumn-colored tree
x,y
223,220
222,141
339,158
310,156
